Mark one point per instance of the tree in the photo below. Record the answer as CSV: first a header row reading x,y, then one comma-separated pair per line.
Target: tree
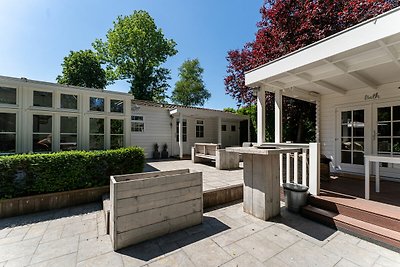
x,y
288,25
134,50
82,68
190,89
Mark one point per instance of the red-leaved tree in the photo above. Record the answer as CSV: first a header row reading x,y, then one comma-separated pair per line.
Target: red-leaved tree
x,y
288,25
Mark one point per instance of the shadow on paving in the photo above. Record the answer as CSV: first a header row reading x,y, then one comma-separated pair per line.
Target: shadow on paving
x,y
49,215
304,225
154,248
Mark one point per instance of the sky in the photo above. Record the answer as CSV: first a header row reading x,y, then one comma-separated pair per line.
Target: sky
x,y
37,34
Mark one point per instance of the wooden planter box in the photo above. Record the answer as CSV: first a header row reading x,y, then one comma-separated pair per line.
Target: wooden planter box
x,y
148,205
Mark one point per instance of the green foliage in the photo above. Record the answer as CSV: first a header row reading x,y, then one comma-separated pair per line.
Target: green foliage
x,y
134,50
82,68
190,89
31,174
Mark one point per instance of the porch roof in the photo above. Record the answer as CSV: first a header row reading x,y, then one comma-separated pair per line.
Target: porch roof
x,y
364,56
207,113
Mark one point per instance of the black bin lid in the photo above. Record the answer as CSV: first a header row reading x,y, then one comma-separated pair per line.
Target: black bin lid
x,y
295,187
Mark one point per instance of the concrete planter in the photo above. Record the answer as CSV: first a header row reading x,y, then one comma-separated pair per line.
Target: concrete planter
x,y
148,205
30,204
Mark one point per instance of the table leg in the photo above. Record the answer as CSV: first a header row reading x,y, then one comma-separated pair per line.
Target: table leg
x,y
366,179
377,178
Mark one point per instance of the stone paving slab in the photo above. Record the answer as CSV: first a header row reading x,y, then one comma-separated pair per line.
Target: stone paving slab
x,y
227,237
212,177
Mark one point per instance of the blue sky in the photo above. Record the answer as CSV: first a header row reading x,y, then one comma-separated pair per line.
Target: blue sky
x,y
37,34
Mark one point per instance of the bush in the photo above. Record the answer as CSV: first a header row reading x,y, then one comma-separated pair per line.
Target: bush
x,y
31,174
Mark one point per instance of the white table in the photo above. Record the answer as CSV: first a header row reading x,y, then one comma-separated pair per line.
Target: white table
x,y
377,159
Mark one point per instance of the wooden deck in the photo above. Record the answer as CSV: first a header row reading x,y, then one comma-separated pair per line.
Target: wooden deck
x,y
389,193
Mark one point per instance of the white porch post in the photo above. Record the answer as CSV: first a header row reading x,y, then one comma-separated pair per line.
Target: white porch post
x,y
219,131
278,116
317,120
180,135
314,183
260,116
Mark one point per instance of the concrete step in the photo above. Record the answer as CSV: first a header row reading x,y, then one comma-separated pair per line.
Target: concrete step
x,y
376,213
381,235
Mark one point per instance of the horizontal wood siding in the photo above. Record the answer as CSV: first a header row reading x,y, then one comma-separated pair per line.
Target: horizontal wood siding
x,y
147,207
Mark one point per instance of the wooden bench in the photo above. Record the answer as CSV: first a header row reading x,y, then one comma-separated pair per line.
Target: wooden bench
x,y
212,152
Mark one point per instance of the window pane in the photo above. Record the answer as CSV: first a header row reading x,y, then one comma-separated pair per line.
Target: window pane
x,y
117,127
396,128
117,106
42,124
117,141
396,145
346,157
137,127
346,143
137,118
96,125
346,117
358,144
42,142
96,142
42,99
69,125
384,144
384,114
358,131
346,130
358,115
96,104
384,129
223,128
8,95
358,158
7,143
8,122
233,128
396,113
68,142
69,101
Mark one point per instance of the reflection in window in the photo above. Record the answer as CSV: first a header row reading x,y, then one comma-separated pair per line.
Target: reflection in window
x,y
7,132
42,99
137,123
117,106
42,133
116,134
96,132
68,133
8,95
96,104
69,101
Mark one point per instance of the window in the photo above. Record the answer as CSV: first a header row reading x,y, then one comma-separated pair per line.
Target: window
x,y
96,132
352,134
69,101
117,106
233,128
7,132
184,131
223,128
117,134
42,99
389,133
68,133
137,124
42,133
96,104
199,128
8,95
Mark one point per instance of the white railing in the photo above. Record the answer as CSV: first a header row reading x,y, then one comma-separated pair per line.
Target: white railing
x,y
301,167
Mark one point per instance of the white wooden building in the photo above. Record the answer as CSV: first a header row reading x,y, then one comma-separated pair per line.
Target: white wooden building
x,y
40,116
159,123
354,79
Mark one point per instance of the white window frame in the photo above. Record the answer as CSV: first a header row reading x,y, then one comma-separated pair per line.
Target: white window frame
x,y
53,118
77,130
233,125
123,131
98,134
117,99
200,124
138,121
222,128
77,101
43,91
104,104
15,133
16,97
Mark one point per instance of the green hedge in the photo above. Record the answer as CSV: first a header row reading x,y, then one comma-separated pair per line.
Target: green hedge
x,y
31,174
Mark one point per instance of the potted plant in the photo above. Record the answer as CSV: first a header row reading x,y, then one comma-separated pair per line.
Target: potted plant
x,y
164,152
156,153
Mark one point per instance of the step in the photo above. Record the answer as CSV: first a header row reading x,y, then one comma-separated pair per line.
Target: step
x,y
361,228
380,214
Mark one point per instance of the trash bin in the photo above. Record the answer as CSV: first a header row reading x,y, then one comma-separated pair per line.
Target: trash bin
x,y
295,196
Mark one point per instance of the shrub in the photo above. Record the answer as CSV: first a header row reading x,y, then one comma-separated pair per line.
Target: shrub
x,y
31,174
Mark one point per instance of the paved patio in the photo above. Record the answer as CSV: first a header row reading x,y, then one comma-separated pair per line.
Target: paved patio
x,y
228,237
212,178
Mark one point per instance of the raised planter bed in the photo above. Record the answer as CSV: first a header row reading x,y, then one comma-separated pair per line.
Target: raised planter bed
x,y
148,205
30,204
